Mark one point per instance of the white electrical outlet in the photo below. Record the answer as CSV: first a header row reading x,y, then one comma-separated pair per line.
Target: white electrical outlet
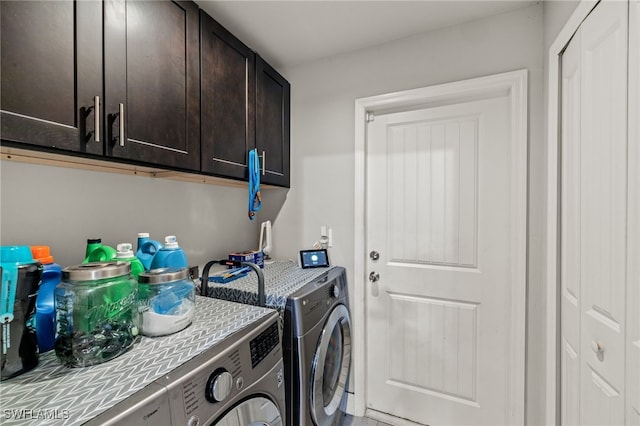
x,y
324,239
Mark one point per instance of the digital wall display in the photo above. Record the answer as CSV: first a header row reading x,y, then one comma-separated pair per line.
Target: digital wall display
x,y
314,258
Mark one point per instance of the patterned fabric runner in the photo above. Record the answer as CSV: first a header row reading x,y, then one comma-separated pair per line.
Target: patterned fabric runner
x,y
52,394
281,279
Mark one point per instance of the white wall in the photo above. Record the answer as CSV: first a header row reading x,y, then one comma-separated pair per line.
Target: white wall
x,y
556,14
323,95
63,207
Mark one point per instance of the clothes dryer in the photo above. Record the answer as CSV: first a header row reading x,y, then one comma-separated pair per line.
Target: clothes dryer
x,y
317,350
316,328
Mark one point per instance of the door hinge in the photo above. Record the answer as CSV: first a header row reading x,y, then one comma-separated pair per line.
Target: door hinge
x,y
368,117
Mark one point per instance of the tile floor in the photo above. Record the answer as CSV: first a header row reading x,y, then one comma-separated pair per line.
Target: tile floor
x,y
362,421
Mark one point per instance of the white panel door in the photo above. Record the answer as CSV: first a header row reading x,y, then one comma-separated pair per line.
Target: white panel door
x,y
439,206
594,219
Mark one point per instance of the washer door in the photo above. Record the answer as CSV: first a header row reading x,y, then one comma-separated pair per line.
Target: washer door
x,y
330,369
258,411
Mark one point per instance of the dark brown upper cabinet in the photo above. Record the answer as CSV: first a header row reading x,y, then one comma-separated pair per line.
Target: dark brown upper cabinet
x,y
245,105
51,65
157,83
152,82
273,99
52,79
227,101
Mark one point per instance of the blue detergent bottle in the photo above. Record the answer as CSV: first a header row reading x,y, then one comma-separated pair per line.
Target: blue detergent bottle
x,y
170,256
45,301
147,249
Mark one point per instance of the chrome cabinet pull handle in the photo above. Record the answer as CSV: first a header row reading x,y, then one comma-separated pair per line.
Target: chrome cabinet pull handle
x,y
96,118
121,114
264,162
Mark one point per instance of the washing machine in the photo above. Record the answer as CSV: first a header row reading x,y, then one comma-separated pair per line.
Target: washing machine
x,y
317,350
238,382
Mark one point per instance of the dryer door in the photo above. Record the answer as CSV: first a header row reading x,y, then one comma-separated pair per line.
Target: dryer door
x,y
330,369
256,411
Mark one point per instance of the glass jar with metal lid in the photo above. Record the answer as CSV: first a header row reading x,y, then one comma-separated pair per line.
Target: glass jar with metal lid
x,y
96,313
166,301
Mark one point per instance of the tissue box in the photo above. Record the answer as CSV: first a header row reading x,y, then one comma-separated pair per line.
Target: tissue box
x,y
252,256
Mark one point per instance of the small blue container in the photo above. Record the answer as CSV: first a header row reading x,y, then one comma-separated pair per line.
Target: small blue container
x,y
45,301
251,256
170,256
147,249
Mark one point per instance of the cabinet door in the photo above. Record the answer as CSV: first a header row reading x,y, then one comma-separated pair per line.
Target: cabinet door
x,y
152,79
49,83
272,123
227,101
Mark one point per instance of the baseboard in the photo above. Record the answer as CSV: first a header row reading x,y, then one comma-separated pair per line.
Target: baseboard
x,y
388,419
351,404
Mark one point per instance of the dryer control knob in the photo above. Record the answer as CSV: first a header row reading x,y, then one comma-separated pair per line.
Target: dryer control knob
x,y
219,386
335,291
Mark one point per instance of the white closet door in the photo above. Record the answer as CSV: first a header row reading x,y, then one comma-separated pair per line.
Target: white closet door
x,y
570,235
633,267
594,219
603,213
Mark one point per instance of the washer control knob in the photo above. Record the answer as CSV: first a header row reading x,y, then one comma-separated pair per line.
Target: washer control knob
x,y
335,290
219,386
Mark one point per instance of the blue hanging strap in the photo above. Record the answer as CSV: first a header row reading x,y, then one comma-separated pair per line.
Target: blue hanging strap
x,y
255,199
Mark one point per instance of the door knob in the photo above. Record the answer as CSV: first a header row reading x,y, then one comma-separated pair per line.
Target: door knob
x,y
374,255
374,276
597,347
